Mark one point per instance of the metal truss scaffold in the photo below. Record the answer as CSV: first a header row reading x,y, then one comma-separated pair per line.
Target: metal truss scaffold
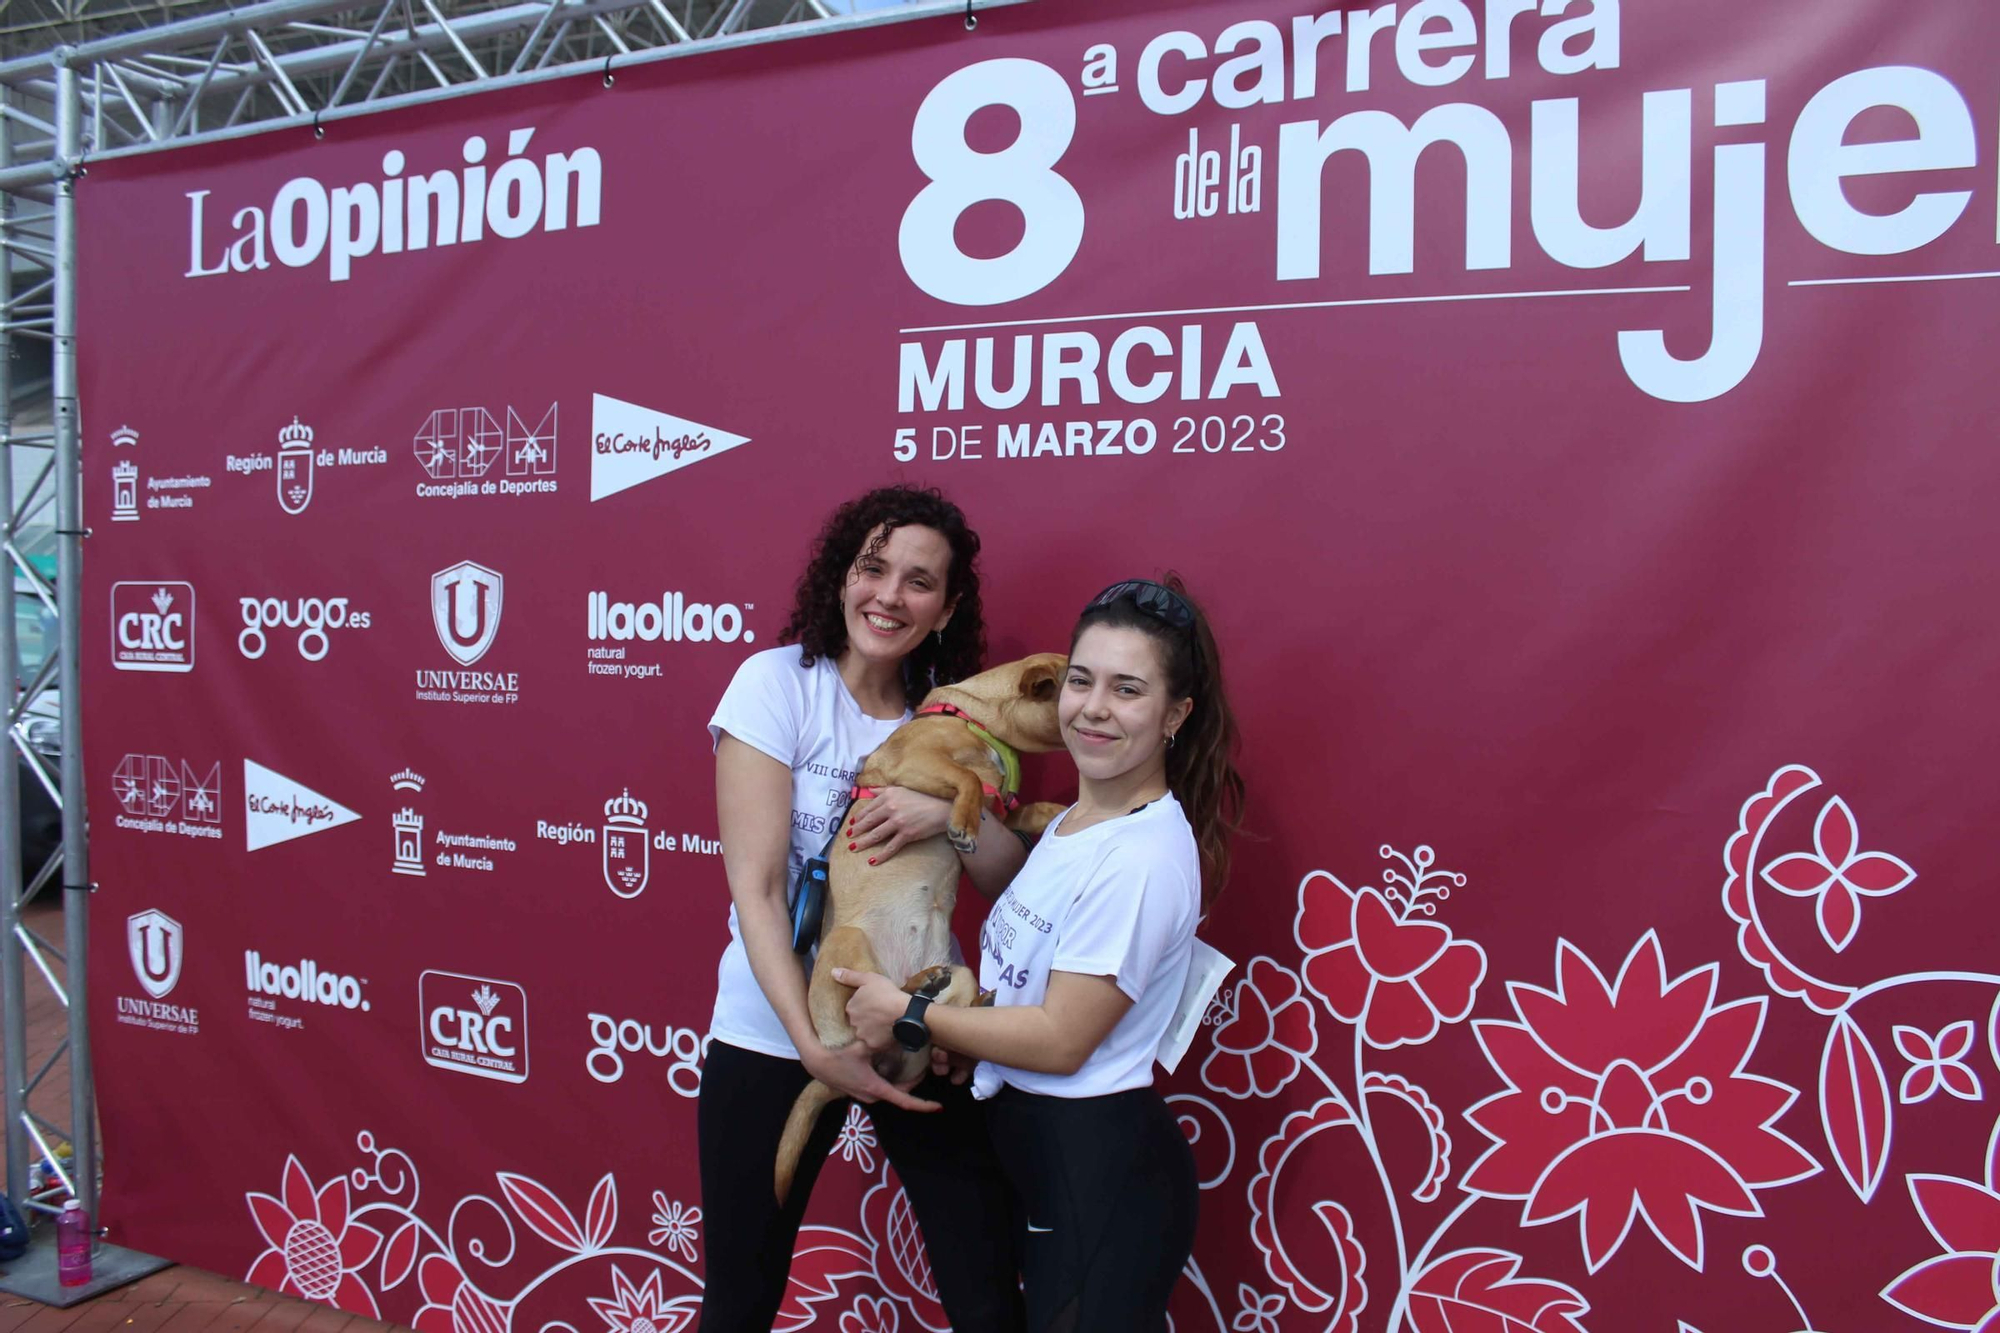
x,y
136,89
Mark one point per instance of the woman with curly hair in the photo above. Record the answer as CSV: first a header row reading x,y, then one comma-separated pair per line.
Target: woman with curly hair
x,y
888,606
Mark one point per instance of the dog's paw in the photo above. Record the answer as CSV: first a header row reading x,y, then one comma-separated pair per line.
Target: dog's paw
x,y
929,981
985,1000
961,840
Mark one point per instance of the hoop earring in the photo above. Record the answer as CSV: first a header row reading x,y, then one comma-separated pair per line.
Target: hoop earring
x,y
937,636
1170,740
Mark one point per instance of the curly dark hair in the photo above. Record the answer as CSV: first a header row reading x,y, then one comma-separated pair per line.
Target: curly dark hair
x,y
818,624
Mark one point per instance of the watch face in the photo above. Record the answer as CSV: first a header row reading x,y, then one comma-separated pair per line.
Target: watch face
x,y
912,1034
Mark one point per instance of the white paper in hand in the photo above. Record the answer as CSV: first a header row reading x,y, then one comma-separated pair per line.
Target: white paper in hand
x,y
1206,969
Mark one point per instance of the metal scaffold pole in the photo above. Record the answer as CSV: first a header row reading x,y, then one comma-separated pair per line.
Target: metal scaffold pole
x,y
69,599
13,994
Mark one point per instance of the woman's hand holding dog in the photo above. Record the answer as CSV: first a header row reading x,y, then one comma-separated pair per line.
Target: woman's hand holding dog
x,y
850,1072
893,819
874,1007
950,1064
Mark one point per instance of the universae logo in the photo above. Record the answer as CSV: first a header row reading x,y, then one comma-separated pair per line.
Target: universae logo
x,y
154,941
465,609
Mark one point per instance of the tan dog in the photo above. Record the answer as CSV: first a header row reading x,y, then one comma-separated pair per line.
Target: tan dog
x,y
895,918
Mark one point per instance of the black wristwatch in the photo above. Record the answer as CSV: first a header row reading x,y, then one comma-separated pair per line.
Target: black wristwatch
x,y
910,1031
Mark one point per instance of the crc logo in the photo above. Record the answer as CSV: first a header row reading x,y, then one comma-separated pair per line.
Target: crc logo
x,y
474,1025
460,443
611,1041
312,617
465,608
154,940
152,626
152,786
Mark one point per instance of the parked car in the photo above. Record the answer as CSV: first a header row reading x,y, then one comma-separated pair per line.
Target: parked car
x,y
41,728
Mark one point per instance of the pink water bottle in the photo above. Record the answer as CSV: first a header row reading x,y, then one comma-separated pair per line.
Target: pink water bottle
x,y
73,1245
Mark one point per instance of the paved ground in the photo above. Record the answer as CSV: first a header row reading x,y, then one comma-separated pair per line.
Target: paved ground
x,y
181,1299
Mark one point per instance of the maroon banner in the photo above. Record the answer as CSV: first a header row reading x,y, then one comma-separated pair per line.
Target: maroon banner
x,y
1573,416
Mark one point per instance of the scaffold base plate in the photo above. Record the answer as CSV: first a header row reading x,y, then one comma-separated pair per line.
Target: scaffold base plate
x,y
33,1275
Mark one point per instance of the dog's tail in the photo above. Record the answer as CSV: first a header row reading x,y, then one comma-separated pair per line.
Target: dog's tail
x,y
814,1098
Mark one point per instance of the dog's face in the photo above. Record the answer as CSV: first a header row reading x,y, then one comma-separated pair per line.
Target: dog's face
x,y
1031,713
1018,700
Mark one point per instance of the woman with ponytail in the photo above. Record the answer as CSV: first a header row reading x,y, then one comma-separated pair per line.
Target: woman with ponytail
x,y
1087,953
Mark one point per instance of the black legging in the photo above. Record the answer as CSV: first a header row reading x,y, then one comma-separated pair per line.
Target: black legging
x,y
944,1160
1110,1190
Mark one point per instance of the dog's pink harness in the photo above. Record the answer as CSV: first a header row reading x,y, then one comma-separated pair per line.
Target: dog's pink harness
x,y
1005,798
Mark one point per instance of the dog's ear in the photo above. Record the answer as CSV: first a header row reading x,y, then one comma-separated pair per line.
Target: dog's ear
x,y
1038,682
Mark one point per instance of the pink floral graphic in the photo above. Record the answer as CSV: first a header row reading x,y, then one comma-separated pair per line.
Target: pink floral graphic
x,y
1628,1100
857,1140
1937,1062
1256,1313
1739,897
1257,1051
1479,1290
641,1309
901,1266
676,1226
1837,874
870,1315
1377,960
315,1247
1322,1265
1960,1288
454,1305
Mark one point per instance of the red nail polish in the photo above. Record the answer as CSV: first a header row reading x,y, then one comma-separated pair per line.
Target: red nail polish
x,y
850,846
871,860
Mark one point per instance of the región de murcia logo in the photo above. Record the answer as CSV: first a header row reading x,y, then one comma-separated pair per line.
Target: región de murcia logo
x,y
627,843
297,462
626,859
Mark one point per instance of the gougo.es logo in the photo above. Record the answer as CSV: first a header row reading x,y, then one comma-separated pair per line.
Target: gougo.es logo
x,y
612,1040
312,617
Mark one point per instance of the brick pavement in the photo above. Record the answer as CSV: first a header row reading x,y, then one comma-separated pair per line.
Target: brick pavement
x,y
183,1300
176,1300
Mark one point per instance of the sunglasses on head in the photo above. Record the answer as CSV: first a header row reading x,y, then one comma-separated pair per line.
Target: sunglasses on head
x,y
1155,599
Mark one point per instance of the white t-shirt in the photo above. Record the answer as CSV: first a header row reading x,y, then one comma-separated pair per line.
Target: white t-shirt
x,y
804,718
1120,899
